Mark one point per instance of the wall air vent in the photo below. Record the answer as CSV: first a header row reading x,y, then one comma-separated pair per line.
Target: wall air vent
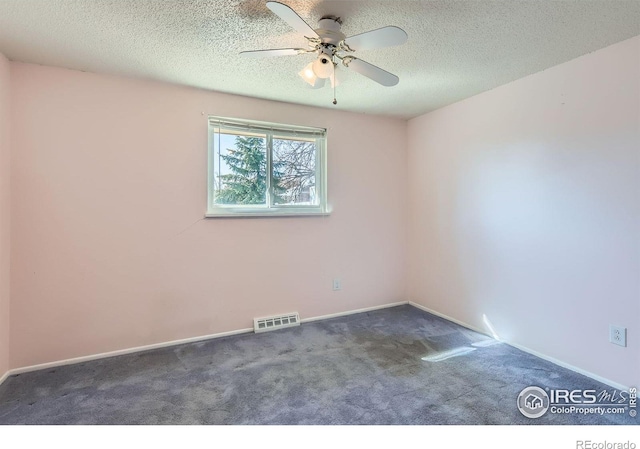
x,y
276,322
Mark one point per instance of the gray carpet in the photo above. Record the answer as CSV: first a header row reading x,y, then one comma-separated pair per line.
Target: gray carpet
x,y
359,369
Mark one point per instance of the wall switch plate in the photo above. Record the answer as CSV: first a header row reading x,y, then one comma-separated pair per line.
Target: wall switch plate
x,y
618,335
337,284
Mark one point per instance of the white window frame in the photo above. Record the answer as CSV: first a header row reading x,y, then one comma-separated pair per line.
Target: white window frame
x,y
269,209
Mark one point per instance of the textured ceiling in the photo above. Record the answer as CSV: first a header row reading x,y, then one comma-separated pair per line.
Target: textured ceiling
x,y
456,48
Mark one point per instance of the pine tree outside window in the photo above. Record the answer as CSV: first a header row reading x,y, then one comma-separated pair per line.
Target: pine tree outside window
x,y
259,168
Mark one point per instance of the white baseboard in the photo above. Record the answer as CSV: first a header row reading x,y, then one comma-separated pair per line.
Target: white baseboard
x,y
575,369
609,382
105,355
352,312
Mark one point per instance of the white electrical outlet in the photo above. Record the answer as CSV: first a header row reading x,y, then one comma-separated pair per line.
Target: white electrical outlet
x,y
337,284
618,335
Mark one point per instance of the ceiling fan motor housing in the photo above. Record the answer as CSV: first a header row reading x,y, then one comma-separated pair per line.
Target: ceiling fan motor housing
x,y
329,30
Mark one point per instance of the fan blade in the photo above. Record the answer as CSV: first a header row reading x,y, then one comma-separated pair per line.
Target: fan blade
x,y
270,53
292,18
371,71
382,37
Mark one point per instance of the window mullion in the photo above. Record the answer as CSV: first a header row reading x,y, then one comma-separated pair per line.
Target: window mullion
x,y
269,173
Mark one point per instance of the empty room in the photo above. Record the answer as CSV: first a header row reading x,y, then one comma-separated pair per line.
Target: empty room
x,y
320,212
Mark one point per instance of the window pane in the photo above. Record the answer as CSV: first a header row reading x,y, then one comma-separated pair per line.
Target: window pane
x,y
294,171
240,168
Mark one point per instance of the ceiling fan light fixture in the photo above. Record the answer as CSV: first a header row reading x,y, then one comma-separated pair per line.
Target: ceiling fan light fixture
x,y
323,66
309,75
320,82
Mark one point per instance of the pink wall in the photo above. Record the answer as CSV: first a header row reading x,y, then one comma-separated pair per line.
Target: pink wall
x,y
5,209
110,248
524,205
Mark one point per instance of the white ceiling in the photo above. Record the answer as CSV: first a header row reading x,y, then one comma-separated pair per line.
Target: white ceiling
x,y
456,48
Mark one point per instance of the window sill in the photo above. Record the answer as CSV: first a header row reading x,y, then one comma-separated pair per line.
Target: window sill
x,y
274,212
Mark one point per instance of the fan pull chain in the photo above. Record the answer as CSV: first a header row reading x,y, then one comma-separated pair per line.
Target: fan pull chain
x,y
334,82
334,90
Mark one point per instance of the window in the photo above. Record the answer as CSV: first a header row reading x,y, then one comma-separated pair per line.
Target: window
x,y
258,168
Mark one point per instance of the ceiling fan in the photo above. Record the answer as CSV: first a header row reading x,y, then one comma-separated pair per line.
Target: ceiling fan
x,y
331,45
